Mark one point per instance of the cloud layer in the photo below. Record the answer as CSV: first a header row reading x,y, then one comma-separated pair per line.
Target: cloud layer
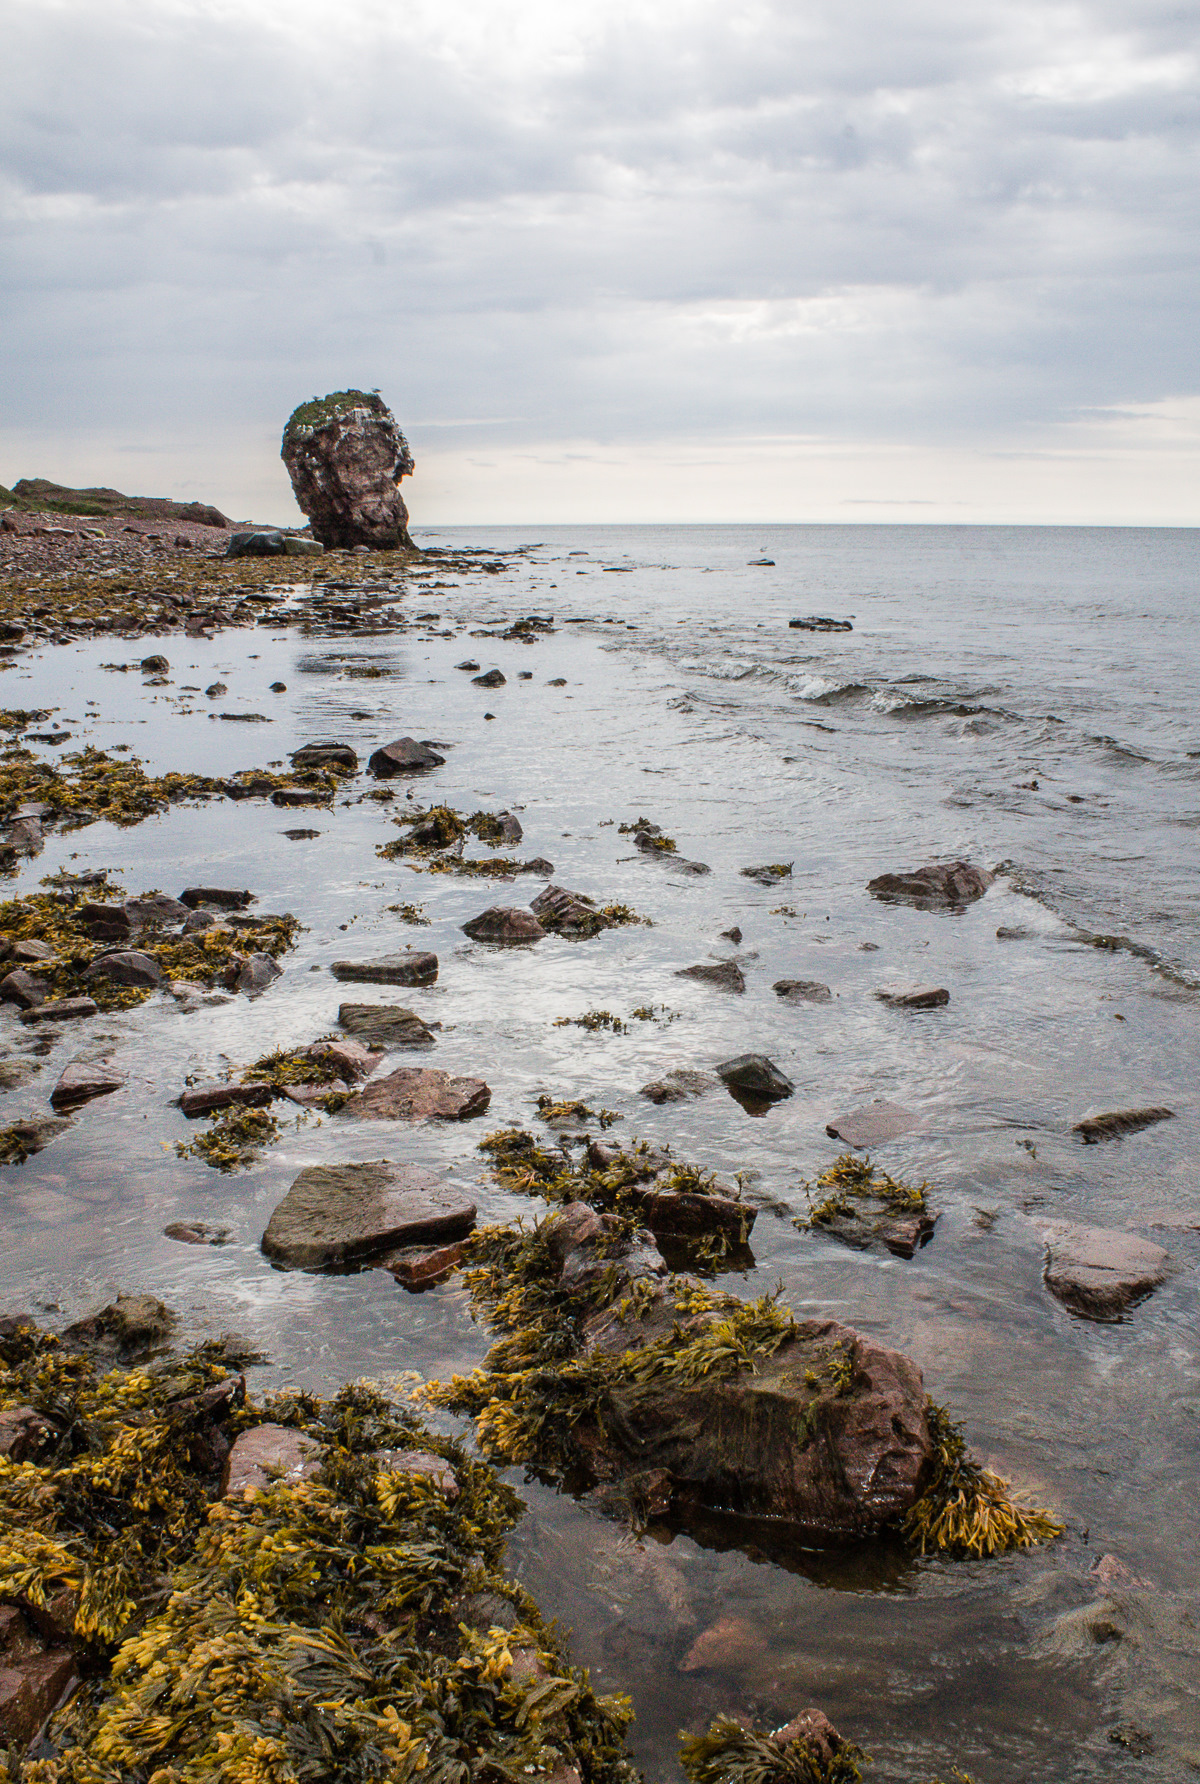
x,y
648,227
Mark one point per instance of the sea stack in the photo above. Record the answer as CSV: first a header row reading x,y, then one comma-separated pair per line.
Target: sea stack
x,y
345,456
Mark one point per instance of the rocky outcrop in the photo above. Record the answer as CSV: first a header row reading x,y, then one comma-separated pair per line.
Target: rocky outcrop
x,y
344,1214
1099,1272
938,886
345,456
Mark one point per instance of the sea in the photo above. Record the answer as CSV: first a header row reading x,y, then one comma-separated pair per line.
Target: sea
x,y
1025,699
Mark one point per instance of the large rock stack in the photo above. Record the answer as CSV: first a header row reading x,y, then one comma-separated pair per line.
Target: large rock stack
x,y
345,456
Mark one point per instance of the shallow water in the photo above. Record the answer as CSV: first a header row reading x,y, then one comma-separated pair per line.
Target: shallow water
x,y
980,659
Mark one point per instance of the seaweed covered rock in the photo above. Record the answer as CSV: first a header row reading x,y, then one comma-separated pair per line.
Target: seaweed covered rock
x,y
345,456
807,1750
864,1207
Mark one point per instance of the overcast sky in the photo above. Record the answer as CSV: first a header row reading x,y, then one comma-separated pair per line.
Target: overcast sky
x,y
612,259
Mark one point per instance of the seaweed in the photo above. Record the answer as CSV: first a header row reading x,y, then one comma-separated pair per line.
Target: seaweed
x,y
411,913
728,1753
549,1110
593,1020
849,1179
968,1510
237,1137
648,836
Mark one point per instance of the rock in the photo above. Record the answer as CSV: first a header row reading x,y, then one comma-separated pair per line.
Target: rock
x,y
1116,1122
539,865
345,456
325,755
25,989
266,1454
733,935
567,913
683,1214
23,837
753,1076
199,921
106,922
939,886
1099,1272
294,796
814,1733
802,990
469,664
279,687
391,969
219,896
196,1232
587,1245
25,1434
301,835
208,1098
417,1093
65,1009
770,874
155,665
390,1025
128,968
256,974
872,1124
417,1267
731,1644
341,1214
423,1462
296,547
493,679
725,974
1012,933
504,925
913,997
28,951
677,1086
81,1082
130,1327
30,1690
350,1058
818,622
504,827
36,1134
155,908
262,544
405,756
559,681
215,690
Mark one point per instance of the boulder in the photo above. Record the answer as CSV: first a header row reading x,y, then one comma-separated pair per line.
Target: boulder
x,y
416,1093
1099,1272
404,756
23,988
913,997
802,990
255,544
221,897
492,679
256,973
130,1327
65,1009
726,975
391,969
504,925
873,1123
266,1454
155,907
752,1076
80,1082
206,1099
1115,1122
677,1086
345,456
326,755
388,1025
155,665
343,1214
129,968
938,886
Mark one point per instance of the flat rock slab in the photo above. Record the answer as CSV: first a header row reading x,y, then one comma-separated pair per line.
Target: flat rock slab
x,y
81,1082
418,1267
506,926
677,1086
418,1093
206,1099
64,1009
1115,1122
802,990
404,756
1099,1272
913,997
342,1214
267,1454
726,975
873,1123
389,1025
937,886
391,969
755,1077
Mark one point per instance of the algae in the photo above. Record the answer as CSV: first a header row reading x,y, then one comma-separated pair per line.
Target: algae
x,y
729,1753
849,1180
968,1510
237,1137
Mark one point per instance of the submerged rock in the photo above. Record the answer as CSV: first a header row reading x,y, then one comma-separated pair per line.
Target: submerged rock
x,y
130,1327
391,969
938,886
404,756
504,926
388,1025
1099,1272
196,1232
677,1085
21,1139
726,975
913,997
345,456
64,1009
755,1077
416,1093
80,1082
341,1214
770,873
1117,1122
872,1124
802,990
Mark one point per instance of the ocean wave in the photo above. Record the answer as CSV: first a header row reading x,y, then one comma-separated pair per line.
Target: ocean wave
x,y
901,706
821,690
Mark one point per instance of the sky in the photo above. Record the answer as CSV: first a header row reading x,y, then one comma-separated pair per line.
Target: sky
x,y
612,260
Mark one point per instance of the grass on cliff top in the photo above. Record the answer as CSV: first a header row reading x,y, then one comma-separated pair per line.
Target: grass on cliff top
x,y
304,1631
320,409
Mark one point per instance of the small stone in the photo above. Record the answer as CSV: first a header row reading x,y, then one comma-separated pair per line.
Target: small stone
x,y
215,690
469,664
1099,1272
266,1454
420,1267
80,1082
416,1093
196,1232
66,1009
769,874
279,687
733,935
155,665
350,1213
403,757
493,679
221,896
872,1124
129,968
802,990
294,796
726,975
390,1025
913,997
256,974
505,926
754,1076
391,969
819,622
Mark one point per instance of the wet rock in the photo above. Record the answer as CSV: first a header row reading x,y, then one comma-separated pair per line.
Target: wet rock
x,y
389,1025
24,837
279,687
733,935
731,1644
586,1245
206,1099
872,1124
505,926
391,969
769,874
325,755
222,898
266,1454
23,988
351,1058
25,1434
539,865
199,921
196,1232
568,913
814,1734
726,975
1099,1272
262,544
1116,1122
1012,933
683,1214
417,1267
301,835
107,922
15,1072
290,797
938,886
340,1214
820,622
677,1086
65,1009
128,968
256,973
559,681
417,1093
913,997
404,756
31,1687
470,664
802,990
423,1462
128,1328
493,679
36,1134
31,951
752,1077
155,908
345,456
155,665
80,1082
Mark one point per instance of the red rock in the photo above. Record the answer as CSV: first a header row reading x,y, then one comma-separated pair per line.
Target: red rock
x,y
1099,1272
24,1434
26,989
418,1093
815,1733
208,1098
345,456
343,1214
267,1453
80,1082
351,1058
417,968
417,1268
30,1690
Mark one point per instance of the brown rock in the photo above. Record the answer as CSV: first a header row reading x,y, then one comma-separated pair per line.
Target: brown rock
x,y
417,1093
326,755
335,1214
389,1025
269,1453
872,1124
351,1058
24,1434
392,969
726,975
32,950
156,908
913,997
418,1267
754,1078
256,973
23,988
1099,1272
35,1135
345,456
567,913
81,1082
30,1690
505,926
678,1214
127,968
802,990
106,922
130,1327
677,1086
196,1232
938,886
208,1098
65,1009
422,1462
405,756
815,1733
1116,1122
221,897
